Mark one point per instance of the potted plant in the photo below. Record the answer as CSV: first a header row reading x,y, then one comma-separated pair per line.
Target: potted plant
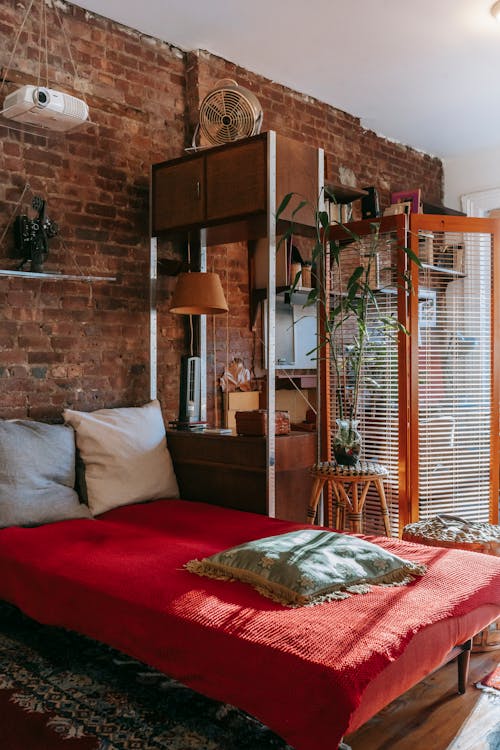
x,y
353,323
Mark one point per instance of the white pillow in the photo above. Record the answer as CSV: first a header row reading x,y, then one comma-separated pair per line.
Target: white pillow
x,y
125,455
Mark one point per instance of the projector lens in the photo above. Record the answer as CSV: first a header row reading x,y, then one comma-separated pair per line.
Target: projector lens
x,y
41,97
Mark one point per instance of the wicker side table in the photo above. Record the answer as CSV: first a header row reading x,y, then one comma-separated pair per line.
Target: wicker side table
x,y
456,533
345,481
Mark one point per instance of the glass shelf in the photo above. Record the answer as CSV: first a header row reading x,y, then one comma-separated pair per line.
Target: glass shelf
x,y
446,271
55,276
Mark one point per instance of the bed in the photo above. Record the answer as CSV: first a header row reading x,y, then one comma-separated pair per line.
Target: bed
x,y
311,674
114,569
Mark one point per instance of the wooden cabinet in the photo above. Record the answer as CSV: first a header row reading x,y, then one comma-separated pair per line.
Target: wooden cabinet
x,y
229,184
233,192
230,470
179,194
236,181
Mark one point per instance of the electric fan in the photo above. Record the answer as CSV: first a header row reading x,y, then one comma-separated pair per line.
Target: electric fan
x,y
228,113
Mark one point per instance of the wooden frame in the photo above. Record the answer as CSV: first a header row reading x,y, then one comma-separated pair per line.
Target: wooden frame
x,y
408,353
455,224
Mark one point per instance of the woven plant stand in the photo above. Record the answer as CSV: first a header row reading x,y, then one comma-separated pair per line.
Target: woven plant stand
x,y
345,482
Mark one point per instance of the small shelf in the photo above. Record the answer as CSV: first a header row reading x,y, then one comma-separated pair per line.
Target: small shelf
x,y
256,297
55,276
297,297
445,271
344,193
300,295
432,208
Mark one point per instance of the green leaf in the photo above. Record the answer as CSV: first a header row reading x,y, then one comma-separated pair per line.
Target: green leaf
x,y
411,255
356,274
284,237
330,194
312,297
284,203
296,210
296,280
324,219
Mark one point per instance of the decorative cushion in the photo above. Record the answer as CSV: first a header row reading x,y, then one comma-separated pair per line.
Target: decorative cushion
x,y
125,455
453,531
37,474
309,566
362,468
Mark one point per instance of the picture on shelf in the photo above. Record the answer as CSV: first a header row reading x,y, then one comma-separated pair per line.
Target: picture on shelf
x,y
427,308
398,208
409,196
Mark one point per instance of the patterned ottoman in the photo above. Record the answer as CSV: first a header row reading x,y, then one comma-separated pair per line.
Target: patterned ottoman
x,y
451,531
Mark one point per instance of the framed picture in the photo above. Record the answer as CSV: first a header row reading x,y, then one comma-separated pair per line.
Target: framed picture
x,y
409,196
427,308
398,208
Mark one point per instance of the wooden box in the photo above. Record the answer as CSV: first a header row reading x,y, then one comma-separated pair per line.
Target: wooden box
x,y
238,401
255,422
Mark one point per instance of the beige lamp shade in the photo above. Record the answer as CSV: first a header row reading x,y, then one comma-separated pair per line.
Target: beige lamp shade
x,y
198,293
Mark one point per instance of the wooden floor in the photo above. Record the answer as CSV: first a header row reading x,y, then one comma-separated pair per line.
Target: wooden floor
x,y
432,716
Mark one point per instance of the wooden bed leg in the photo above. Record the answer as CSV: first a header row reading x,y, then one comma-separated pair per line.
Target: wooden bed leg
x,y
463,661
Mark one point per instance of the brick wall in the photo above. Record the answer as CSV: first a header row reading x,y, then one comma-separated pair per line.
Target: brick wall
x,y
351,151
67,343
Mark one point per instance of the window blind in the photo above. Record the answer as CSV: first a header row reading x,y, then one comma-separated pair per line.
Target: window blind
x,y
454,374
378,402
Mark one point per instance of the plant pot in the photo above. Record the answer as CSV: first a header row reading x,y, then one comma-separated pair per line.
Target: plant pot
x,y
347,442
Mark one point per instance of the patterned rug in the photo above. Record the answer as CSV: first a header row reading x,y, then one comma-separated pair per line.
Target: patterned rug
x,y
94,698
491,683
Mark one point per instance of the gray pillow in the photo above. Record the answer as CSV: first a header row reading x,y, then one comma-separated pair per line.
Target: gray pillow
x,y
37,474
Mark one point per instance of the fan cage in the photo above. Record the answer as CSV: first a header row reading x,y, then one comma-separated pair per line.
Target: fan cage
x,y
228,114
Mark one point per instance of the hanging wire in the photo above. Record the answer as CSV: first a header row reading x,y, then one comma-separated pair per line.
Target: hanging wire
x,y
227,316
43,28
14,210
191,334
46,44
16,41
68,47
214,346
40,46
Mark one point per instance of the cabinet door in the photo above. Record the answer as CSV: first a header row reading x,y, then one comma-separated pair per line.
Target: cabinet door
x,y
236,181
297,172
178,194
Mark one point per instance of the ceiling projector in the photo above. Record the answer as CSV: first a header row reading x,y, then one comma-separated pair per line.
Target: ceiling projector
x,y
46,108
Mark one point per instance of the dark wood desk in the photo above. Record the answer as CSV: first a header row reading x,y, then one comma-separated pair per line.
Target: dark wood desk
x,y
230,470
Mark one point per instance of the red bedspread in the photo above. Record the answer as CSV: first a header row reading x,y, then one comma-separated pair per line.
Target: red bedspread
x,y
302,671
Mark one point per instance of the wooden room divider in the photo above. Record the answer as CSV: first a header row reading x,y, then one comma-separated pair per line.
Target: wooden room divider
x,y
429,406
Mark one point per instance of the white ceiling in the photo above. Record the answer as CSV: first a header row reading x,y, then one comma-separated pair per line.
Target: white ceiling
x,y
423,72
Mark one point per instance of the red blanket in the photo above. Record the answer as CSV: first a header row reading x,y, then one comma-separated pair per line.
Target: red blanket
x,y
301,671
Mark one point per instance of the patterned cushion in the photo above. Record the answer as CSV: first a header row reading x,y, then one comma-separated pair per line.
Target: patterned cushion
x,y
456,532
309,566
361,469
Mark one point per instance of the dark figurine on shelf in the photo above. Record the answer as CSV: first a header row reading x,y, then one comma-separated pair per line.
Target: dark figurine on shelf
x,y
31,236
